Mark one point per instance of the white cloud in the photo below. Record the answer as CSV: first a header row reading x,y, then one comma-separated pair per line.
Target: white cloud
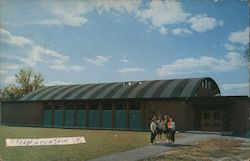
x,y
66,68
98,60
10,80
161,13
129,70
37,53
181,31
230,47
73,13
202,23
64,19
241,37
157,13
3,71
59,64
8,66
65,13
57,83
204,64
7,37
76,68
239,88
128,6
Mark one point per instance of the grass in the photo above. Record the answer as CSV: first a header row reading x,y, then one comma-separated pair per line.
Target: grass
x,y
99,143
209,150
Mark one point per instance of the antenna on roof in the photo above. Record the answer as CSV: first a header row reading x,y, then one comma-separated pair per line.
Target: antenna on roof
x,y
124,67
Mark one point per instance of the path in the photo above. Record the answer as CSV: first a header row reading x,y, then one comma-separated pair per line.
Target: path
x,y
151,150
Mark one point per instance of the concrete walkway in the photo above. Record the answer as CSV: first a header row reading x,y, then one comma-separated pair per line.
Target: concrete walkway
x,y
151,150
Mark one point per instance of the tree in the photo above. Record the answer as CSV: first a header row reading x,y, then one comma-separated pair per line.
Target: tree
x,y
26,81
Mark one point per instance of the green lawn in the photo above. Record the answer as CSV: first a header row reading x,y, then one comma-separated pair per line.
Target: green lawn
x,y
99,143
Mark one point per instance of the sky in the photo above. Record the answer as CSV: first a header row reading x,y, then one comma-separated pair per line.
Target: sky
x,y
102,41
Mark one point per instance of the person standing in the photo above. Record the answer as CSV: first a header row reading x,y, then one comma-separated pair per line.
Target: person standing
x,y
159,129
165,127
172,131
153,130
169,126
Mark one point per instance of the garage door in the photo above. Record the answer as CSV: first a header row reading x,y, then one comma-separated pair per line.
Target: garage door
x,y
120,119
58,118
47,118
69,118
93,118
135,119
107,118
81,117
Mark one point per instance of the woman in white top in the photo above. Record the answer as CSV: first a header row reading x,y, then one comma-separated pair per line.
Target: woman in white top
x,y
153,130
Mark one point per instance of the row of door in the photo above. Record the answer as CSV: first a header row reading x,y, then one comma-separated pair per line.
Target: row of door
x,y
212,120
93,119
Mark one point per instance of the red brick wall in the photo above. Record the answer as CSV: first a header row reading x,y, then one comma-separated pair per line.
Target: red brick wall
x,y
177,109
21,113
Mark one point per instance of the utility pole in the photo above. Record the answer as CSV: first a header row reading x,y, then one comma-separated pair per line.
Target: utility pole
x,y
124,67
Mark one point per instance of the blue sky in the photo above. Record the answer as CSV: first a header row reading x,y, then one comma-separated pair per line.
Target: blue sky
x,y
78,42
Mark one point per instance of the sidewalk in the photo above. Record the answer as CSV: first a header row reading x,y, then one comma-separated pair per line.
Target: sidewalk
x,y
151,150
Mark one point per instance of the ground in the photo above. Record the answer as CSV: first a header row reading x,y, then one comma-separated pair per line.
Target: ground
x,y
99,143
213,149
106,142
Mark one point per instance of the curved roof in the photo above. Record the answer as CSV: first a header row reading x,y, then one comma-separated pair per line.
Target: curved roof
x,y
121,90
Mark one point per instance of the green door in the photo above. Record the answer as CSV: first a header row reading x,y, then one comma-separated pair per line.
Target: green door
x,y
58,118
120,119
107,118
69,118
135,119
47,118
81,117
93,118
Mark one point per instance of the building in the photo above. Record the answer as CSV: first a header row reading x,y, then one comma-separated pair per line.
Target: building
x,y
194,103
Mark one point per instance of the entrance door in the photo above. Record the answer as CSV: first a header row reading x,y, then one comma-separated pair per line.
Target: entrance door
x,y
212,120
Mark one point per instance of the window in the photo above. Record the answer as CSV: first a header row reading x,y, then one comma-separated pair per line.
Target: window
x,y
206,124
217,115
107,106
93,106
217,124
59,107
206,115
81,106
120,106
48,106
134,106
205,83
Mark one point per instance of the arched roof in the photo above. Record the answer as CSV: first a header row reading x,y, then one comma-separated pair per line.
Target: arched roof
x,y
137,89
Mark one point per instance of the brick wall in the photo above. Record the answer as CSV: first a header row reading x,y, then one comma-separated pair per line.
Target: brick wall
x,y
22,114
240,115
177,109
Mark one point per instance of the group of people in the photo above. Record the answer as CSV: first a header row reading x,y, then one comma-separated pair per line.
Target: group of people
x,y
158,126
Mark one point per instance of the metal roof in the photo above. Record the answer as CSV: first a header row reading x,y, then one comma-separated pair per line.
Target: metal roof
x,y
120,90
